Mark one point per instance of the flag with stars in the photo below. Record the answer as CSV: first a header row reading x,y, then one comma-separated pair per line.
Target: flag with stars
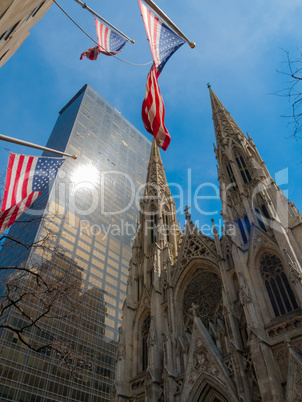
x,y
163,43
26,177
110,42
162,40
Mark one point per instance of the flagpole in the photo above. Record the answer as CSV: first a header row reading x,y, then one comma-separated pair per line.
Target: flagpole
x,y
31,145
84,5
166,19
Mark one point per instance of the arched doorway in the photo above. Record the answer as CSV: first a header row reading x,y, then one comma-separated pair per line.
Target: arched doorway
x,y
210,394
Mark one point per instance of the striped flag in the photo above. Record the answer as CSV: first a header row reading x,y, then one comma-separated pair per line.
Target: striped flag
x,y
110,43
153,110
162,40
163,43
26,177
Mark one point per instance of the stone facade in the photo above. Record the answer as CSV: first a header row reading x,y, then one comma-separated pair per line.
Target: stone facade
x,y
215,319
17,17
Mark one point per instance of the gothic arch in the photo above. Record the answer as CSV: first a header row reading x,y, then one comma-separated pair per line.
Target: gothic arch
x,y
152,208
209,389
209,272
274,283
167,220
228,171
137,338
242,164
187,272
261,212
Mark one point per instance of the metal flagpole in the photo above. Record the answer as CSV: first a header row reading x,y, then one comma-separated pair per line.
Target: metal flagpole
x,y
31,145
84,5
166,19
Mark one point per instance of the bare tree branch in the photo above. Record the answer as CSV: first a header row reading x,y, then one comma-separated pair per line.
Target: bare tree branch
x,y
293,92
40,297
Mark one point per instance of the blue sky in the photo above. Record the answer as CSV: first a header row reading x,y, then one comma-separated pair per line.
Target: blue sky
x,y
238,50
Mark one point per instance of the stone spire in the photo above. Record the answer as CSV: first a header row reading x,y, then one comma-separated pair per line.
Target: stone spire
x,y
225,126
156,177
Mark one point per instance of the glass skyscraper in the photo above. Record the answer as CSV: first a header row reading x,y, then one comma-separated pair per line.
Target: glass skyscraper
x,y
89,221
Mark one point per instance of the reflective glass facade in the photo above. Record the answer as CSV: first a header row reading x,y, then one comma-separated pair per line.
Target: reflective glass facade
x,y
89,221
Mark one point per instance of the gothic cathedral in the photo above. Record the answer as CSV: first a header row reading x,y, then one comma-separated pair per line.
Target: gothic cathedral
x,y
215,319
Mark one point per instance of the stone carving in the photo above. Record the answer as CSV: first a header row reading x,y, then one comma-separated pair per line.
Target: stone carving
x,y
258,171
201,363
244,294
152,338
194,247
295,274
282,355
121,353
298,386
179,384
284,327
248,363
200,360
229,365
193,376
156,179
146,301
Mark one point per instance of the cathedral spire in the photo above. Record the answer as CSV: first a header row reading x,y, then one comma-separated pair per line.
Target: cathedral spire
x,y
156,177
225,126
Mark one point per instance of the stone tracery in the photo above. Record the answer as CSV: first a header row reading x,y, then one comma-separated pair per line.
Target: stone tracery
x,y
204,293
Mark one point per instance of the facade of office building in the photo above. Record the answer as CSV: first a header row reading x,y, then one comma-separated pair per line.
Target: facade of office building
x,y
89,221
17,17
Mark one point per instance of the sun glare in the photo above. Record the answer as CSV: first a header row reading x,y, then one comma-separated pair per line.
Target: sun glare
x,y
86,176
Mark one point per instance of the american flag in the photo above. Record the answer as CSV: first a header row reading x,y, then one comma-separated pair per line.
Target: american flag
x,y
110,43
163,43
153,110
26,177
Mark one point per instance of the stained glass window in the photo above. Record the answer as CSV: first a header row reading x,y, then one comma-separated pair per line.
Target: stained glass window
x,y
277,285
204,296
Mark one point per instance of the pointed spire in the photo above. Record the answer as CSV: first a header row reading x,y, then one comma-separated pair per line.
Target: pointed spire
x,y
225,126
156,177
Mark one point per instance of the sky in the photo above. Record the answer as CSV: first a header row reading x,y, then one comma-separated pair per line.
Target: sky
x,y
240,45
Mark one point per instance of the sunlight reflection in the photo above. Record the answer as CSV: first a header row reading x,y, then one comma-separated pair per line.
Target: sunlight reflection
x,y
86,176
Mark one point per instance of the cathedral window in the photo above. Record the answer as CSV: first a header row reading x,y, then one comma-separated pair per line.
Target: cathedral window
x,y
166,223
247,224
145,334
153,225
231,176
202,297
265,213
277,285
242,231
245,174
260,219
